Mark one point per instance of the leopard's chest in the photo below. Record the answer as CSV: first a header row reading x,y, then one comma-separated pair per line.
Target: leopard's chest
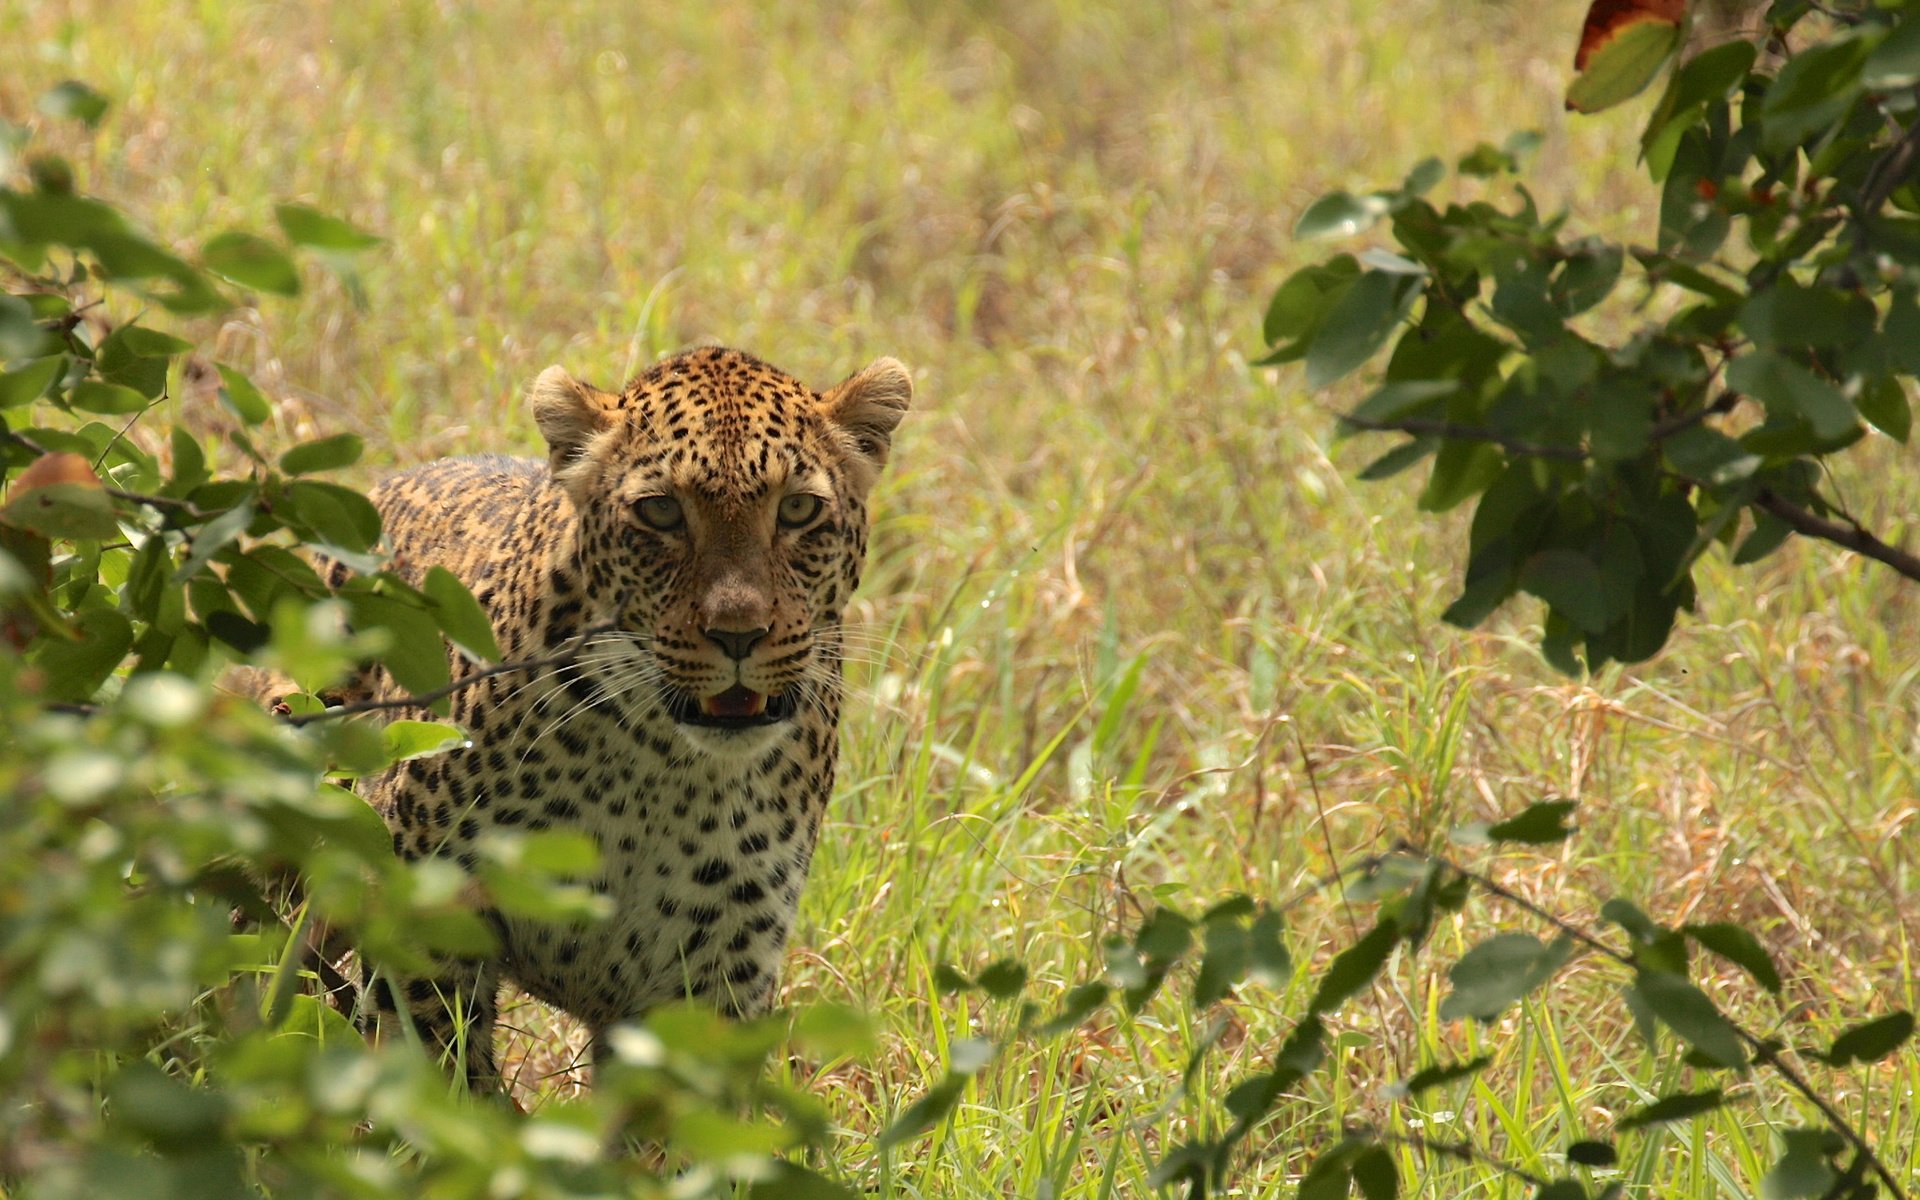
x,y
702,878
701,860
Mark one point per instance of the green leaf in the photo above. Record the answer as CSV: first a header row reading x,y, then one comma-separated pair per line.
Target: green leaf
x,y
73,100
1439,1075
405,740
20,333
1709,455
1541,824
1461,468
1495,974
242,397
1618,69
74,670
1359,323
29,382
967,1057
1002,979
1301,303
1805,1168
1375,1174
1791,390
1355,967
415,654
1485,161
789,1182
1586,277
1406,454
323,454
1572,584
1739,947
251,261
1223,965
1813,90
1872,1041
460,615
1709,76
1894,65
91,395
1339,214
1882,401
309,227
1769,533
835,1031
1330,1176
1790,315
1592,1154
1395,400
1687,1011
212,537
163,1108
68,508
344,519
1079,1004
1267,959
1671,1108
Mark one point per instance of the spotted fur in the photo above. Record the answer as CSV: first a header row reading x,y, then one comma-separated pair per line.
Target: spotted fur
x,y
705,833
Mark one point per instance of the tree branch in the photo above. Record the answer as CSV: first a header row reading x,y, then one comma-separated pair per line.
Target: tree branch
x,y
1467,433
1848,534
566,655
1763,1051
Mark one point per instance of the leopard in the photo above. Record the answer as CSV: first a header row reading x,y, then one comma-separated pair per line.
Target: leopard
x,y
679,564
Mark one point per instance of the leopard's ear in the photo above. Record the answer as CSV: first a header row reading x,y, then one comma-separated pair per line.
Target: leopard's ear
x,y
868,406
569,413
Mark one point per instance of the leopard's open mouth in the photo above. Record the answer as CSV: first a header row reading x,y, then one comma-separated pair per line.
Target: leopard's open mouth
x,y
736,708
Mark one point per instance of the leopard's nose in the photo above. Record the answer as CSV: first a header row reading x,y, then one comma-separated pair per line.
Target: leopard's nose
x,y
738,643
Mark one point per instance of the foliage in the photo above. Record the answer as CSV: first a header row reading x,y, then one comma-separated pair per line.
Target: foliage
x,y
1613,411
150,1043
227,1076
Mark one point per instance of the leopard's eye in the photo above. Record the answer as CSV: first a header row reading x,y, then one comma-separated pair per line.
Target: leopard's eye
x,y
660,512
799,509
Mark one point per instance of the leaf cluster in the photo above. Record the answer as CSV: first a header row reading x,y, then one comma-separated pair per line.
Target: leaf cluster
x,y
1610,411
164,1024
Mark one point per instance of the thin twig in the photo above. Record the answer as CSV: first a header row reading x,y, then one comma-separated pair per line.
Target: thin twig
x,y
424,699
1763,1051
1889,173
1465,1152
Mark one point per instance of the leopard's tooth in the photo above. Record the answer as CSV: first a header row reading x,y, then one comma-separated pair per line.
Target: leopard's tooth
x,y
757,705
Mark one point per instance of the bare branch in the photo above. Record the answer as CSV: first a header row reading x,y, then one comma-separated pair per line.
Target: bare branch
x,y
1848,534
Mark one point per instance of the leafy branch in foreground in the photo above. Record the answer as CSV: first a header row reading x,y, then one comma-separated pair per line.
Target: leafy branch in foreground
x,y
149,547
1238,942
1615,411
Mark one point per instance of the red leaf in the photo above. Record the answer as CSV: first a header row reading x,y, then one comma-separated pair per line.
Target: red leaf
x,y
50,469
1606,18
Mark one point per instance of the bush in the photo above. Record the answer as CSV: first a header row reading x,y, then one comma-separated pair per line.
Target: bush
x,y
149,1044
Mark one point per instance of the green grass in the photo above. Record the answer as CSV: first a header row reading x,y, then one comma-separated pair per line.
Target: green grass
x,y
1067,218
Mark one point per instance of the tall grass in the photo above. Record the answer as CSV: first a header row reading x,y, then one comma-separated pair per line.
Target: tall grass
x,y
1135,634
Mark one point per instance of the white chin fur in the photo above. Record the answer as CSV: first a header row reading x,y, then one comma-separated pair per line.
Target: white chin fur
x,y
742,744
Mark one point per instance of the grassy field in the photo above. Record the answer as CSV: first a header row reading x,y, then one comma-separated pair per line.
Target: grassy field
x,y
1067,218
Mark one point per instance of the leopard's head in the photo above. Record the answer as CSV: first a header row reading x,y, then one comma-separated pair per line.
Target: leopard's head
x,y
722,527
